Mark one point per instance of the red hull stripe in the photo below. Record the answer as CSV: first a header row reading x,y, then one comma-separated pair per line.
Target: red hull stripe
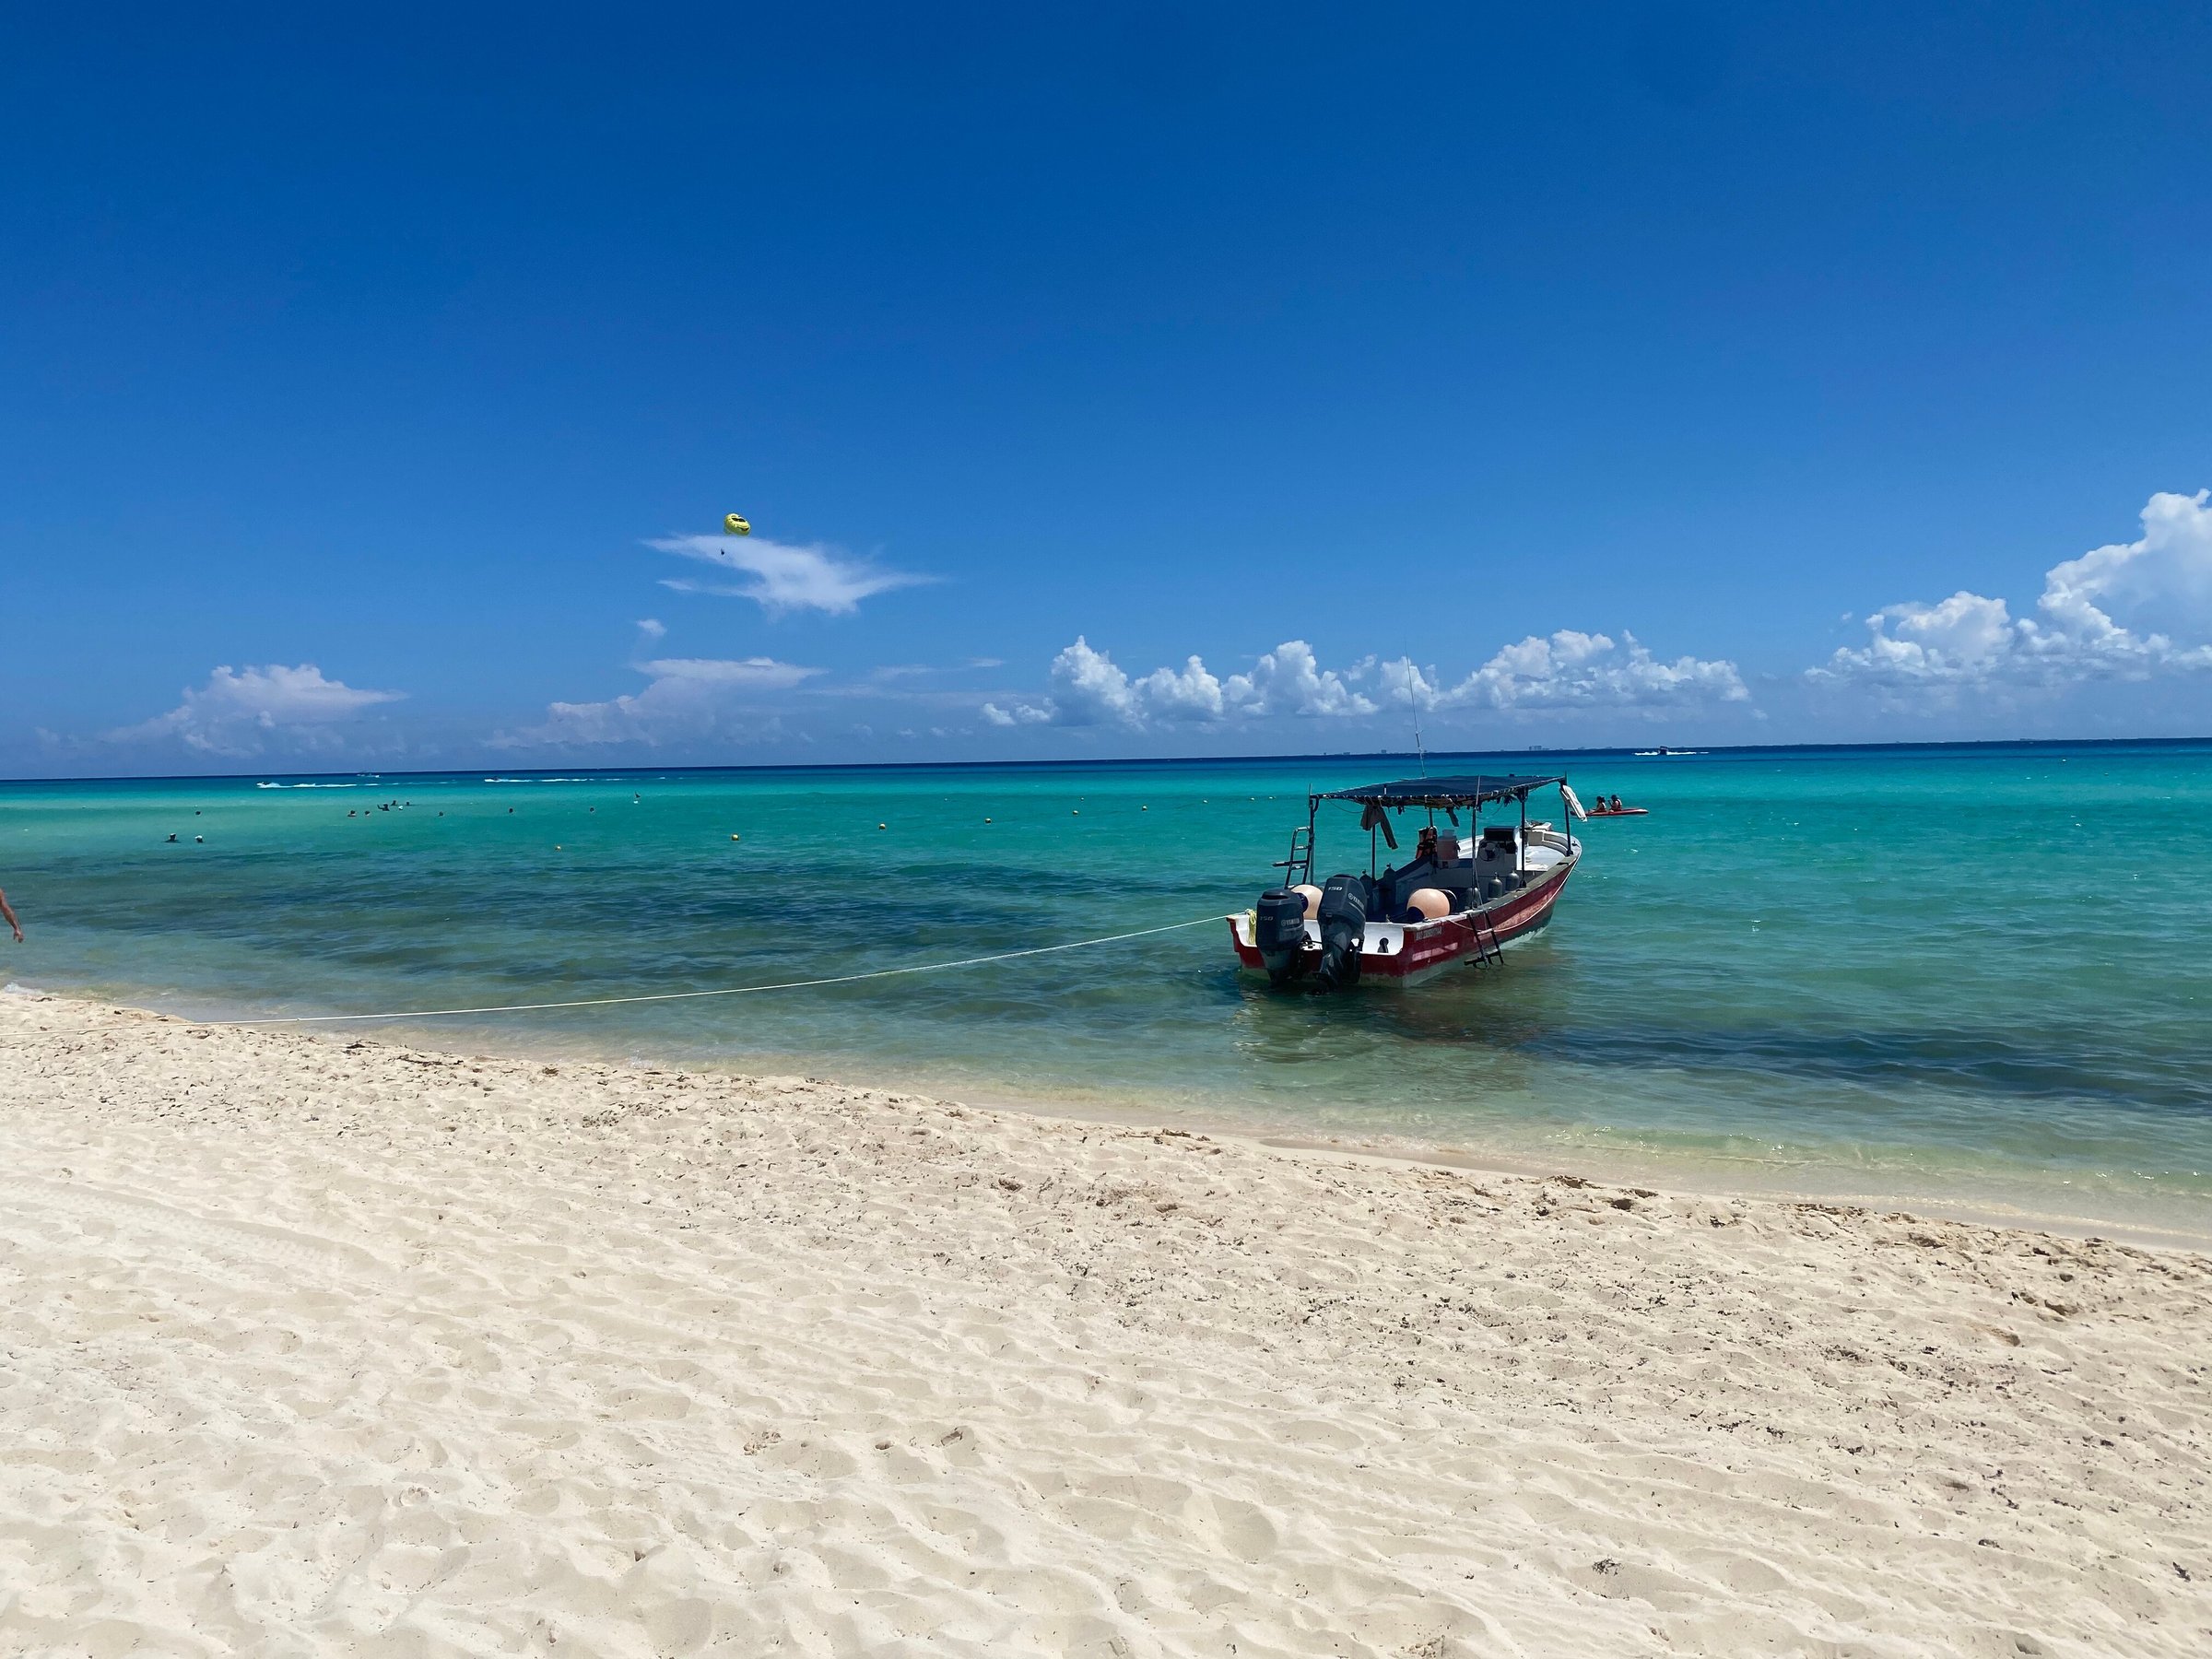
x,y
1447,941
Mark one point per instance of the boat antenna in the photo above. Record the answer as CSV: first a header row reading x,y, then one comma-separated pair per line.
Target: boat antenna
x,y
1419,750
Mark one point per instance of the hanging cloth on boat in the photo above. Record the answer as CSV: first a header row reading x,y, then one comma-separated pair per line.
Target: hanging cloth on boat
x,y
1377,818
1574,803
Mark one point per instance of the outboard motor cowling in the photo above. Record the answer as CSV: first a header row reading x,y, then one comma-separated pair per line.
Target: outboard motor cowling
x,y
1279,930
1342,918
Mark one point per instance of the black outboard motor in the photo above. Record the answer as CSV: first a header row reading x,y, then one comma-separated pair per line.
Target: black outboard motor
x,y
1279,930
1343,917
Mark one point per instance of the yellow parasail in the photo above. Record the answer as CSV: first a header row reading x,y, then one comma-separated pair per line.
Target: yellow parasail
x,y
736,523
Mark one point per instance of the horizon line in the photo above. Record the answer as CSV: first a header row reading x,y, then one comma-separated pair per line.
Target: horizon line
x,y
1613,750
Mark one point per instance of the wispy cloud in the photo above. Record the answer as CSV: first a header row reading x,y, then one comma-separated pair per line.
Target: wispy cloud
x,y
1971,642
242,710
780,577
685,698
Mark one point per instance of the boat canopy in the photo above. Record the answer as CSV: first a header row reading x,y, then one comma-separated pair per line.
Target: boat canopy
x,y
1441,791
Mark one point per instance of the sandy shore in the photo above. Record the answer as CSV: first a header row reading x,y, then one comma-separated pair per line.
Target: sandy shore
x,y
308,1348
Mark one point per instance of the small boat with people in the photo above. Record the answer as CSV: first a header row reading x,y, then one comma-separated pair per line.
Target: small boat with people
x,y
1460,900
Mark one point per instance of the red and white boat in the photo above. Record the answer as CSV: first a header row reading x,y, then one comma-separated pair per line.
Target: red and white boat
x,y
1459,901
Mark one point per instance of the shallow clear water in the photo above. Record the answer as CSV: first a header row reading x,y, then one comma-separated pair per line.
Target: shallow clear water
x,y
1979,976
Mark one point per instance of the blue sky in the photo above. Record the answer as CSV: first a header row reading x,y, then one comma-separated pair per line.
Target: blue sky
x,y
1577,375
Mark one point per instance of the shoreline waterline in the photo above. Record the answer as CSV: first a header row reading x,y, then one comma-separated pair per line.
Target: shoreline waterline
x,y
1746,1178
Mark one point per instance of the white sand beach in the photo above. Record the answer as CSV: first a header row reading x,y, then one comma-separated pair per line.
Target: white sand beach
x,y
326,1346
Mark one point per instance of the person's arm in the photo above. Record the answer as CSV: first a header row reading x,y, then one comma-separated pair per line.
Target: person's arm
x,y
8,916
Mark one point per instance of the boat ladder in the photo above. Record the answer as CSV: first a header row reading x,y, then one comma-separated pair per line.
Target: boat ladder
x,y
1488,950
1301,857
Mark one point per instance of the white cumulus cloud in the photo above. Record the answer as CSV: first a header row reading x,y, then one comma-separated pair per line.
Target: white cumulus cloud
x,y
1575,670
685,698
1090,688
2101,616
779,577
1569,670
1403,683
1289,680
239,710
1086,686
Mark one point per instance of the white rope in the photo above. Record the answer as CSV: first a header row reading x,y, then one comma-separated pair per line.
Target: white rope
x,y
606,1002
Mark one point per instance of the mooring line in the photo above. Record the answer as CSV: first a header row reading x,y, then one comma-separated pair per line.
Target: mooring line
x,y
606,1002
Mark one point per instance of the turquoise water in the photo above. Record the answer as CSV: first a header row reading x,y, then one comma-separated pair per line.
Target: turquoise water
x,y
1978,977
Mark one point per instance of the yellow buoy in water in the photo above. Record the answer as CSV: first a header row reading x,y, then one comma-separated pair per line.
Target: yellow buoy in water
x,y
736,523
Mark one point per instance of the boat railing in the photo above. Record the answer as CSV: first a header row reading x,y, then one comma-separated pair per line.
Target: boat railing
x,y
1557,840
